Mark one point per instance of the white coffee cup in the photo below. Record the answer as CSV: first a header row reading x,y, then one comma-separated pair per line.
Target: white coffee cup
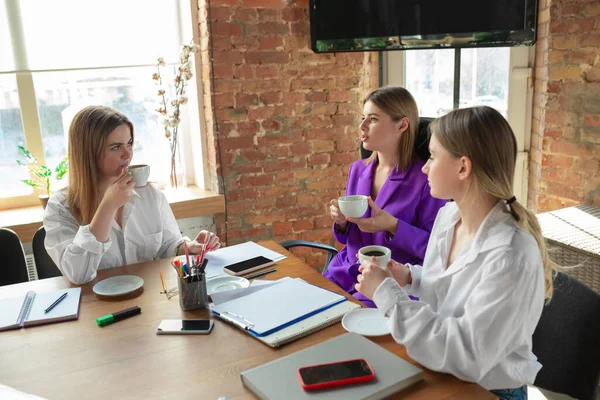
x,y
140,174
353,206
382,255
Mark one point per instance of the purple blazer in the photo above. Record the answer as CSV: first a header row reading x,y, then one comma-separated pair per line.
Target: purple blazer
x,y
405,195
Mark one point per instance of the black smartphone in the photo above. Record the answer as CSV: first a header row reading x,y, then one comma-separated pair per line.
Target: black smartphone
x,y
185,327
339,373
247,266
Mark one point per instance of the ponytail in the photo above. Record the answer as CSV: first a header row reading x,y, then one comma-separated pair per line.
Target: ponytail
x,y
529,222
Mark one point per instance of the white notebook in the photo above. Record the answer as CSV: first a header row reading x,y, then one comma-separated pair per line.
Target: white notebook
x,y
277,306
28,309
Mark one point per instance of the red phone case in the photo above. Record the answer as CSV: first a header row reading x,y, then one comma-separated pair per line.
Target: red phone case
x,y
341,382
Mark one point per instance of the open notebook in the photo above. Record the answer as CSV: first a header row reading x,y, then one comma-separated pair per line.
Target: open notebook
x,y
28,309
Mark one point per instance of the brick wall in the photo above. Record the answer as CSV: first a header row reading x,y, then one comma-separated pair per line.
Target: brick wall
x,y
287,118
565,145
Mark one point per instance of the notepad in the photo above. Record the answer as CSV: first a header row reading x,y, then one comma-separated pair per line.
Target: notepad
x,y
28,309
278,379
277,306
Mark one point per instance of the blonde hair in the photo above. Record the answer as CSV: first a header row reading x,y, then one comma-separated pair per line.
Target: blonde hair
x,y
88,133
483,135
398,103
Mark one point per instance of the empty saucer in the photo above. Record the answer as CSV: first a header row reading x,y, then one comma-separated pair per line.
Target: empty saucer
x,y
225,282
366,322
118,285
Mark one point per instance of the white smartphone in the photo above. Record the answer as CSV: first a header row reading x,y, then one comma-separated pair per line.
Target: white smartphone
x,y
247,266
185,327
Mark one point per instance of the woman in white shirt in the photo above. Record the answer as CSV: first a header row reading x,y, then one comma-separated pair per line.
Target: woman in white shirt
x,y
486,272
100,220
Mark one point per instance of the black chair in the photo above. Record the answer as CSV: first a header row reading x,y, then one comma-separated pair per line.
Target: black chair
x,y
14,266
567,340
331,251
44,264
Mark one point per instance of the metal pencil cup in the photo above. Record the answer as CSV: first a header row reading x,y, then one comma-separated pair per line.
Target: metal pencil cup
x,y
192,294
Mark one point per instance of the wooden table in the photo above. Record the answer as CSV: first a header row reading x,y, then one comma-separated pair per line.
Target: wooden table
x,y
78,359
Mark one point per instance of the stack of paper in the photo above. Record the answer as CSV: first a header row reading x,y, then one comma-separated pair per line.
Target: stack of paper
x,y
232,254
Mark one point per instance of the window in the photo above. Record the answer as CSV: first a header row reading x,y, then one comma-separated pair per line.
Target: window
x,y
499,77
483,79
60,56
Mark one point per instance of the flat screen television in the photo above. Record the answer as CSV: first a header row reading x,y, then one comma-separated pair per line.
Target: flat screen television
x,y
373,25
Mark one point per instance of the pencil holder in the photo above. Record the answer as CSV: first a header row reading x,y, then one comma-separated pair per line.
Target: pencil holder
x,y
192,292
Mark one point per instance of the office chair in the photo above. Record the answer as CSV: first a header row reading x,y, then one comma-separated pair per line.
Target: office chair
x,y
422,150
44,264
14,266
331,251
566,340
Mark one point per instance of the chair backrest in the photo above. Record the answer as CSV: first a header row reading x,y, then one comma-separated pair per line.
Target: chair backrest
x,y
567,340
14,266
43,263
421,141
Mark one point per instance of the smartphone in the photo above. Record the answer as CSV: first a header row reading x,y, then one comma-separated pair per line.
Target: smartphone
x,y
185,327
335,374
247,266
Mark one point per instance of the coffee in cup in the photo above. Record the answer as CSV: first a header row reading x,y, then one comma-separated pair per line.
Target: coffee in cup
x,y
139,174
382,255
353,206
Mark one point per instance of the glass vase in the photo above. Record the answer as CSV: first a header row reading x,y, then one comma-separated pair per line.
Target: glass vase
x,y
176,177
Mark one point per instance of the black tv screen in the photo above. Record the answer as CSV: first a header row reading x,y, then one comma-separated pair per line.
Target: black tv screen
x,y
363,25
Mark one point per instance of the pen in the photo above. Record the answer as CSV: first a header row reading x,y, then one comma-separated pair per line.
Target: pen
x,y
117,316
56,302
261,273
162,279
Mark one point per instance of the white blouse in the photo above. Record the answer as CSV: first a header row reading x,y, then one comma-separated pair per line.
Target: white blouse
x,y
149,231
475,319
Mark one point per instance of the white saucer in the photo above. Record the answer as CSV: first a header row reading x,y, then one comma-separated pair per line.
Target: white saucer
x,y
366,322
118,285
225,282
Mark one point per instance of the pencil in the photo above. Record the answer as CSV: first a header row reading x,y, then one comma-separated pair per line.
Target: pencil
x,y
162,279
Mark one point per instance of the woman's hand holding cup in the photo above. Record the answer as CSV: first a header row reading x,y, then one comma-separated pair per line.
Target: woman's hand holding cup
x,y
400,272
336,214
120,191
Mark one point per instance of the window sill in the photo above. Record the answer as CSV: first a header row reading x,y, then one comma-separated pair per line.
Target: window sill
x,y
185,203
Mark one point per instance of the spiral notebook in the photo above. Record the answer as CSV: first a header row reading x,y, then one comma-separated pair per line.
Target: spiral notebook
x,y
283,311
28,309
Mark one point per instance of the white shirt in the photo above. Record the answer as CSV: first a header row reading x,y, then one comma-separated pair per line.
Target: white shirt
x,y
476,318
149,231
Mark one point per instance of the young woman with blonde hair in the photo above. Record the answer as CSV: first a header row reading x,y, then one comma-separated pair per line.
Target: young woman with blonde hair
x,y
401,210
486,272
100,220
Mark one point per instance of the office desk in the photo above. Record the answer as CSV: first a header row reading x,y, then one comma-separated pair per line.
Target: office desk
x,y
78,359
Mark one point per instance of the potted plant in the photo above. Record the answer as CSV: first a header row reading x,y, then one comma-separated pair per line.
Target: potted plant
x,y
42,173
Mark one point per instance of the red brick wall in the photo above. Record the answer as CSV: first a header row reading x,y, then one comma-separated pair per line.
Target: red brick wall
x,y
287,118
565,146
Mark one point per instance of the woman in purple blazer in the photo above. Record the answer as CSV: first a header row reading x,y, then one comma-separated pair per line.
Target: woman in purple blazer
x,y
401,211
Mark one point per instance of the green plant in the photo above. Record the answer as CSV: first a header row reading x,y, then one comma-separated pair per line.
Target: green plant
x,y
42,172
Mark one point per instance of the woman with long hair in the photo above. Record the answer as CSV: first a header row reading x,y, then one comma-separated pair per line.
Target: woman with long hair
x,y
486,272
401,210
100,220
